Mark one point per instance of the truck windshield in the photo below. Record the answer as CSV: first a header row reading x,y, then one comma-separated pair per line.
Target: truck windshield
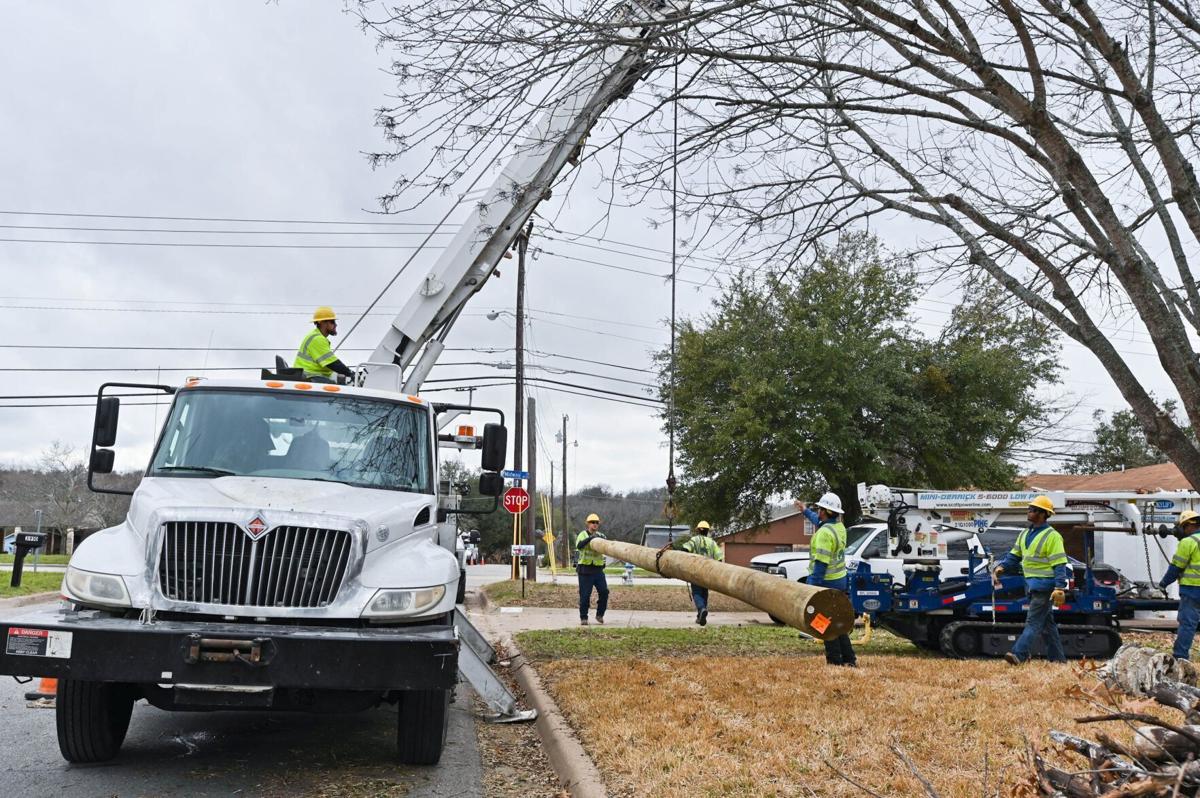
x,y
856,536
364,442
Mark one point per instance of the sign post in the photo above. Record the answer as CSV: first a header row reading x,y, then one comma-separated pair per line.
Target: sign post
x,y
519,552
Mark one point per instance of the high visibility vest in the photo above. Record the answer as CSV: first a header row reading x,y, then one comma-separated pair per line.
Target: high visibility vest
x,y
1187,560
704,546
586,555
1040,556
829,546
315,355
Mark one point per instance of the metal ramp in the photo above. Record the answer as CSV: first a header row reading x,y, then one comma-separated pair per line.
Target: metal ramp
x,y
475,657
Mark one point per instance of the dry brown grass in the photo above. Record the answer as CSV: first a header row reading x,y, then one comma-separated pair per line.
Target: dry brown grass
x,y
773,726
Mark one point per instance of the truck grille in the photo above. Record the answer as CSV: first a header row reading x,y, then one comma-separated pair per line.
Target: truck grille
x,y
217,563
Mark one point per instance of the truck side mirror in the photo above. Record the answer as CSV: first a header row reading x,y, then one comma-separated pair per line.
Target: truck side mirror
x,y
491,484
495,448
107,410
102,461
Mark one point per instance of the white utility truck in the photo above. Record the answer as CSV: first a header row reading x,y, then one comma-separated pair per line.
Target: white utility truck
x,y
289,546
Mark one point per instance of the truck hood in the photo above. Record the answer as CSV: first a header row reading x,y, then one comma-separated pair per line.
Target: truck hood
x,y
269,496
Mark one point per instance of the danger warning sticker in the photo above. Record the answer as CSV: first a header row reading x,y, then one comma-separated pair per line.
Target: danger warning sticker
x,y
24,642
820,623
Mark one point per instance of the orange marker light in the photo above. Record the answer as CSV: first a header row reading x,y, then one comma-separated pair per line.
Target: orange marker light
x,y
466,431
304,386
416,399
274,384
191,383
330,388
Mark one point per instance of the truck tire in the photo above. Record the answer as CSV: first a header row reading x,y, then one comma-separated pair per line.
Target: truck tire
x,y
92,718
462,587
421,726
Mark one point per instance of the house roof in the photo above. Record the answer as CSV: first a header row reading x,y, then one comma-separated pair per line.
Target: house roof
x,y
1162,476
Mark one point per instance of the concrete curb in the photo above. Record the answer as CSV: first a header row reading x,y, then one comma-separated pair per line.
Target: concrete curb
x,y
563,748
32,598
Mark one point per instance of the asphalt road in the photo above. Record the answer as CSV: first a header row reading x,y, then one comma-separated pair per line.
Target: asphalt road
x,y
235,753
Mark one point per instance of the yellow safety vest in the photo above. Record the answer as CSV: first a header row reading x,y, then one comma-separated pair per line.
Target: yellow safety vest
x,y
586,555
704,546
315,354
829,546
1187,560
1039,557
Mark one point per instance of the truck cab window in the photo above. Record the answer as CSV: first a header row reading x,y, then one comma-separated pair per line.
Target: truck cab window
x,y
358,441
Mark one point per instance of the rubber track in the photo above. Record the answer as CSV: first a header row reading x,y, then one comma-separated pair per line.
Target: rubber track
x,y
945,639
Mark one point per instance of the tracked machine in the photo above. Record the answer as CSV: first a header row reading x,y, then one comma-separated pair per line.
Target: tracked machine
x,y
964,615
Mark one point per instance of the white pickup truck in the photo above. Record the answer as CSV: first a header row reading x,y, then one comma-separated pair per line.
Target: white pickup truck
x,y
869,542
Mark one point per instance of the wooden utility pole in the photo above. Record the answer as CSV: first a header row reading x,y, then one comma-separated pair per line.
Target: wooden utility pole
x,y
519,403
566,524
531,514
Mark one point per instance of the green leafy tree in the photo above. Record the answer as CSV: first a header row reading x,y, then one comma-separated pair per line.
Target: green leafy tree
x,y
816,380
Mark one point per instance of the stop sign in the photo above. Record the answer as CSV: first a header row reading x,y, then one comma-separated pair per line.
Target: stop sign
x,y
516,500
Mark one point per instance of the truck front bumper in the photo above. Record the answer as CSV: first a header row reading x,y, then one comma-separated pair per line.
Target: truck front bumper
x,y
92,646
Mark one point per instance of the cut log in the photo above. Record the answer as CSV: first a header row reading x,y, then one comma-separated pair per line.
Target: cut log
x,y
817,611
1179,696
1138,670
1163,745
1100,756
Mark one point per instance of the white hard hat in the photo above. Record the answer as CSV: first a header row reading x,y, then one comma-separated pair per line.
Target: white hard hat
x,y
831,502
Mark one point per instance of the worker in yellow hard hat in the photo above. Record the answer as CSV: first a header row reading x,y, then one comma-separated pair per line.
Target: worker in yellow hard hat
x,y
1039,553
590,571
316,356
702,545
1185,566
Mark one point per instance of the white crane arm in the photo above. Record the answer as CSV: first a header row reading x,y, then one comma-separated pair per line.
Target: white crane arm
x,y
498,218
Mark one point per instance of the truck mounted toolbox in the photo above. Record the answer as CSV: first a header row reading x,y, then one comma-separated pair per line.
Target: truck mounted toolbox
x,y
94,646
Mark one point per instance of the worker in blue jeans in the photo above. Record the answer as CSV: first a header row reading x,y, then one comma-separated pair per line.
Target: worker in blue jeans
x,y
1039,553
702,545
590,572
1185,566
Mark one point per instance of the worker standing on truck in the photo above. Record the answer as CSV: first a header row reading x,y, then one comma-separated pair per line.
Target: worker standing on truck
x,y
1185,566
1039,553
704,546
315,355
827,566
590,571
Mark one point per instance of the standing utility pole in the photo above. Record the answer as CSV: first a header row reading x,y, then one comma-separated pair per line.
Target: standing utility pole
x,y
519,405
531,513
566,525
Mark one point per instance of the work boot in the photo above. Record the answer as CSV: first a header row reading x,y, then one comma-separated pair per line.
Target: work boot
x,y
600,619
583,622
1012,659
702,617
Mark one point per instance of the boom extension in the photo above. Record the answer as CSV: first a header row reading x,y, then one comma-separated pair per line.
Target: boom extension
x,y
498,218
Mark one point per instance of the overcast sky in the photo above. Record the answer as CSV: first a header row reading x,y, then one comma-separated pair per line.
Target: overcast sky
x,y
250,111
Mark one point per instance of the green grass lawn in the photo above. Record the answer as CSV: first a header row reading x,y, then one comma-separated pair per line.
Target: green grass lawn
x,y
52,559
30,583
656,597
711,641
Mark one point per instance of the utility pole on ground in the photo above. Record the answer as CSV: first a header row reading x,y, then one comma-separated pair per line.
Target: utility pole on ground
x,y
531,513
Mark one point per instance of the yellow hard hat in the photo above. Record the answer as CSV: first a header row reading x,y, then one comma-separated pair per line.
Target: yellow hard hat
x,y
324,313
593,517
1188,515
703,525
1043,503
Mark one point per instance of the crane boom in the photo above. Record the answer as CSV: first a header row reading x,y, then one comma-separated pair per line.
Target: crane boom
x,y
421,327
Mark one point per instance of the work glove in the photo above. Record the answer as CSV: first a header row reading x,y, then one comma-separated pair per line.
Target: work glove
x,y
1058,597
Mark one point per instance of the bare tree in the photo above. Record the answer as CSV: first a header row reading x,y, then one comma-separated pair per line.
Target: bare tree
x,y
1046,145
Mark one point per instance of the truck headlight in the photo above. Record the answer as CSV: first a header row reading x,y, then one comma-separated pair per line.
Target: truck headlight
x,y
399,603
107,590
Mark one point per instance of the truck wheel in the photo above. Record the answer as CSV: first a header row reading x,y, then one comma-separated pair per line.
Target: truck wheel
x,y
462,587
92,718
421,727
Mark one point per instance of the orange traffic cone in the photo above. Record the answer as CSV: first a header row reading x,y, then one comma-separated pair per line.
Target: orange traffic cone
x,y
47,688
